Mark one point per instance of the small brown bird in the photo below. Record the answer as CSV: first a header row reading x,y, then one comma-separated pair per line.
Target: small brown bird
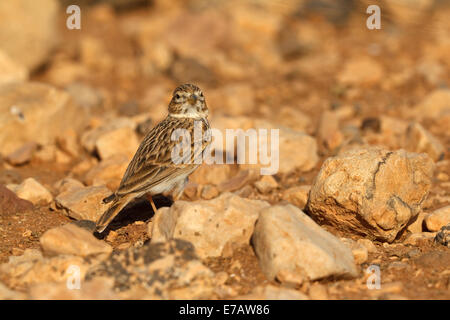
x,y
153,170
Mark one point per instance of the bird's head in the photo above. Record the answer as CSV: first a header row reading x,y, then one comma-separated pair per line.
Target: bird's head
x,y
188,102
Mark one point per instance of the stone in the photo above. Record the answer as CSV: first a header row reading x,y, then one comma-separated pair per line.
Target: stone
x,y
119,141
68,142
237,182
70,239
32,268
12,204
7,294
96,289
437,219
356,191
17,17
420,140
318,291
271,292
10,71
361,71
66,184
417,238
84,95
169,270
443,236
298,195
211,225
96,139
371,248
23,154
360,252
33,191
434,105
211,174
328,133
417,225
287,241
266,184
107,172
46,153
209,192
83,203
35,112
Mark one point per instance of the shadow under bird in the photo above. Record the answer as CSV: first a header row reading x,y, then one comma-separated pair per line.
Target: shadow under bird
x,y
152,170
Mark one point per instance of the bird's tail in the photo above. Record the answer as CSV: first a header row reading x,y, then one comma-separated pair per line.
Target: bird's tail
x,y
106,218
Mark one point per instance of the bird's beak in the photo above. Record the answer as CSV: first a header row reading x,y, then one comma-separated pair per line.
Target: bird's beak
x,y
192,99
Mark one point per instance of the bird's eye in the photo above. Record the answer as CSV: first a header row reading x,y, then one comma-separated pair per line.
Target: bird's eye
x,y
177,96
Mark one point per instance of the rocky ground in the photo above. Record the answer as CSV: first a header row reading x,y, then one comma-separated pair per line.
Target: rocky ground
x,y
364,171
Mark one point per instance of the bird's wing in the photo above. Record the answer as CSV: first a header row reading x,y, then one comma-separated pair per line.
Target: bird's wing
x,y
152,164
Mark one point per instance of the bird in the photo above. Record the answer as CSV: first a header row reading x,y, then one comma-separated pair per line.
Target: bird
x,y
153,169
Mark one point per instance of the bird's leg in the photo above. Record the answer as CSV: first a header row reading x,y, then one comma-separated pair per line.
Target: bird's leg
x,y
149,198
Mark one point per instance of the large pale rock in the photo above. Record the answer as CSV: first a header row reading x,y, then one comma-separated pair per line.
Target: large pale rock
x,y
297,195
291,247
361,71
72,240
28,30
108,172
35,112
169,270
374,192
211,225
33,191
83,203
438,218
420,140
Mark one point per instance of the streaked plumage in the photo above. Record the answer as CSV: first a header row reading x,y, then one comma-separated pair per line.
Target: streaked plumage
x,y
152,170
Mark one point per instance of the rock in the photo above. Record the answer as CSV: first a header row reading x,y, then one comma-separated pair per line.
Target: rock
x,y
169,270
84,95
287,159
420,140
108,172
237,182
35,112
32,268
96,289
119,141
356,191
33,191
114,137
209,192
361,71
67,184
68,142
288,242
213,174
328,133
26,38
360,252
434,105
46,153
11,204
417,238
417,225
437,219
7,294
10,71
72,240
271,292
298,196
22,155
266,184
318,291
211,225
443,236
83,203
